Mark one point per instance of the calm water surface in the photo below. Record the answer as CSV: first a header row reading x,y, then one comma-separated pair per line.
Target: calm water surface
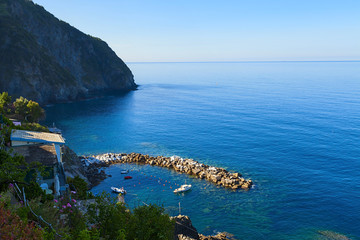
x,y
292,127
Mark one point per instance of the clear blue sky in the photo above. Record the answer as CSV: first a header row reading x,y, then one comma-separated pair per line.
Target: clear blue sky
x,y
215,30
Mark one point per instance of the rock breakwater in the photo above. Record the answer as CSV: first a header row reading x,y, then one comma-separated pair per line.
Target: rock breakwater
x,y
219,176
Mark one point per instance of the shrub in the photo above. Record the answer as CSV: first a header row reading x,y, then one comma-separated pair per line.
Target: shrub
x,y
108,216
11,168
32,127
150,222
78,185
12,227
5,101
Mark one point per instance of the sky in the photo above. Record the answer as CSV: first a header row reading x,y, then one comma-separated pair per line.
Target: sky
x,y
214,30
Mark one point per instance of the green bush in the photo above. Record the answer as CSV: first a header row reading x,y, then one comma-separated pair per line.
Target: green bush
x,y
150,222
32,127
11,169
13,227
78,185
115,221
5,101
108,217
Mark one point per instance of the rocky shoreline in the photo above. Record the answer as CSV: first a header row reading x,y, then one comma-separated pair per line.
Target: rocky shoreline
x,y
184,230
218,176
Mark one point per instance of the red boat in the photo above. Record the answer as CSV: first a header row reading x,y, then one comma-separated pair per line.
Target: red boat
x,y
128,177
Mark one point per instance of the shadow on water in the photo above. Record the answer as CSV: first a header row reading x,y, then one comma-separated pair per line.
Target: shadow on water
x,y
88,107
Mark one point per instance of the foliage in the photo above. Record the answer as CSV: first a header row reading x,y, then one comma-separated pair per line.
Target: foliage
x,y
78,185
11,168
5,134
14,168
28,110
5,101
34,191
105,219
150,222
76,223
5,198
34,111
32,127
8,122
12,227
20,105
115,221
108,216
49,211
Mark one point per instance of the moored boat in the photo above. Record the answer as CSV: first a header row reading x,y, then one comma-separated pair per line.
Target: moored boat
x,y
128,177
183,188
124,171
118,190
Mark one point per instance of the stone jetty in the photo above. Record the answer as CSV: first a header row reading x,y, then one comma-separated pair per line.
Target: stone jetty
x,y
216,175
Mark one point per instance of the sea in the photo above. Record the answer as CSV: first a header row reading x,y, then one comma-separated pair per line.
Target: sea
x,y
291,127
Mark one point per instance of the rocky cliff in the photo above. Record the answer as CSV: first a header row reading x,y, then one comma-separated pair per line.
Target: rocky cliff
x,y
47,60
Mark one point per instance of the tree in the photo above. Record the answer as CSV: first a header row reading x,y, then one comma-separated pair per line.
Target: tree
x,y
5,101
34,111
20,105
28,110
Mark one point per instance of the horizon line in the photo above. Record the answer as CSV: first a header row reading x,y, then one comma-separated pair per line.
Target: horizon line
x,y
246,61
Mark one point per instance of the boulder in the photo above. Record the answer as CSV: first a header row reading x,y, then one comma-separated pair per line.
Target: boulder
x,y
219,236
183,237
202,175
215,178
184,227
195,171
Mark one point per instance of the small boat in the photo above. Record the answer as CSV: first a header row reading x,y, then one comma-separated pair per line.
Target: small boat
x,y
128,177
124,171
183,188
118,190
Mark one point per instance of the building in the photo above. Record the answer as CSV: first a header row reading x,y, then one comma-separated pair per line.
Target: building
x,y
44,148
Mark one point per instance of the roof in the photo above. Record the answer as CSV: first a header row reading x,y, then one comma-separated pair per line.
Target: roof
x,y
39,137
45,154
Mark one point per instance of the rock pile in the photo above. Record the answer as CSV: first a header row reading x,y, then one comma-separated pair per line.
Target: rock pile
x,y
184,230
219,236
216,175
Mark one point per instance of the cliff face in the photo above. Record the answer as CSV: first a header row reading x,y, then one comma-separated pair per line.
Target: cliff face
x,y
47,60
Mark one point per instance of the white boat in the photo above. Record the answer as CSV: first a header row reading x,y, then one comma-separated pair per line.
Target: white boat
x,y
118,190
124,171
183,188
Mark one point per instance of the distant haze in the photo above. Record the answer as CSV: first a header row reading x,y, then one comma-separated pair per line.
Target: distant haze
x,y
232,30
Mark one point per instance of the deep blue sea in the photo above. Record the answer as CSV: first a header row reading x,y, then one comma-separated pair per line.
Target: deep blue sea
x,y
291,127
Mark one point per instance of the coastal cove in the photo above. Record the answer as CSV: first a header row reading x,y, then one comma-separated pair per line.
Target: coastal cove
x,y
291,127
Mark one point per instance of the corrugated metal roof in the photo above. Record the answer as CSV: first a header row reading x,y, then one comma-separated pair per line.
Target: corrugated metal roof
x,y
39,137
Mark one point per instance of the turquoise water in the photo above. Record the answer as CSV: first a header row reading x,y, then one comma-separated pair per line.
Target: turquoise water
x,y
292,127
